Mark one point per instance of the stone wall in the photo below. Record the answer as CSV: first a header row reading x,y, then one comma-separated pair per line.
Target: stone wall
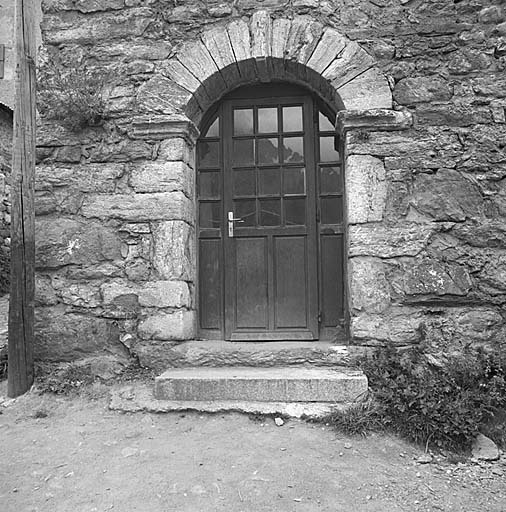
x,y
426,192
5,210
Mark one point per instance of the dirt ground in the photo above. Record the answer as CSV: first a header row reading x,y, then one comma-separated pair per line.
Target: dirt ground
x,y
73,454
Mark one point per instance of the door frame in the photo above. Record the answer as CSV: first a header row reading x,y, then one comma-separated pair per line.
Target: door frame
x,y
289,91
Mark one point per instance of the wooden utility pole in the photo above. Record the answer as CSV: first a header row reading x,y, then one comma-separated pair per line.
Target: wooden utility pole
x,y
21,311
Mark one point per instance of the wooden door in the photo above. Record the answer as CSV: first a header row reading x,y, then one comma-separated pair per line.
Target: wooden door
x,y
260,244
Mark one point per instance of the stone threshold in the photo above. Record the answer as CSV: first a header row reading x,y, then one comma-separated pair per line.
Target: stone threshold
x,y
140,398
220,353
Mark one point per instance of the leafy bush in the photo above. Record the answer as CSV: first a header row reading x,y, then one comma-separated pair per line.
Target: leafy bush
x,y
439,404
74,95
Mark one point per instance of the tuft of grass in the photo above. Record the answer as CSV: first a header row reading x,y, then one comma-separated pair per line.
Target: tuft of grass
x,y
358,420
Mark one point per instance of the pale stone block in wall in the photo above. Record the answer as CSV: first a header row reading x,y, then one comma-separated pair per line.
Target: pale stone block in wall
x,y
348,64
400,326
162,177
366,189
218,45
59,29
181,76
140,207
240,39
157,294
178,325
162,95
390,241
446,195
431,279
261,36
366,91
369,289
77,294
177,149
85,178
61,241
173,249
329,46
409,91
195,57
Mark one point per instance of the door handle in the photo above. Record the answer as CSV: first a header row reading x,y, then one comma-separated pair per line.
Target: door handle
x,y
231,220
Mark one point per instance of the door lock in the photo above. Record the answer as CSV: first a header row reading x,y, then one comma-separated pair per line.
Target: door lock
x,y
231,220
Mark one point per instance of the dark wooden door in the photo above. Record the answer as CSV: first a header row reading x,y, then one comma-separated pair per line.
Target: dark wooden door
x,y
270,243
261,242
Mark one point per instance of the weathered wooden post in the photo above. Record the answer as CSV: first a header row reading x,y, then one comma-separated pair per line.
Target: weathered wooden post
x,y
21,311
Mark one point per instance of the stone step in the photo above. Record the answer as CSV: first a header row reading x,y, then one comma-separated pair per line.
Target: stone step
x,y
216,353
261,384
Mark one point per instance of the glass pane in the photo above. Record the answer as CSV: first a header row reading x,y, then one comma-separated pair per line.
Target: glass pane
x,y
295,211
209,185
330,180
210,215
324,124
292,119
244,152
209,154
244,183
331,209
267,120
268,151
243,121
246,211
270,212
214,129
328,152
269,182
294,181
293,149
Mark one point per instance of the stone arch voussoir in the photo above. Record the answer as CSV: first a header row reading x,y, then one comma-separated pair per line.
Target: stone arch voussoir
x,y
298,50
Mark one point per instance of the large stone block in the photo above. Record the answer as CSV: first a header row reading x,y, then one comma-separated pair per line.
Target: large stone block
x,y
162,177
446,196
331,44
72,28
239,35
84,178
410,91
61,241
389,241
64,336
400,326
261,35
218,45
173,249
157,294
366,91
428,280
177,325
366,189
162,95
369,289
139,207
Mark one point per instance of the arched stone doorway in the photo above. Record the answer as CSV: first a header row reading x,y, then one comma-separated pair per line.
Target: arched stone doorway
x,y
299,51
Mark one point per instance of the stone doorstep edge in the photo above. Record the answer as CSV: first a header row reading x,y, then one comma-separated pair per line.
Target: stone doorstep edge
x,y
140,399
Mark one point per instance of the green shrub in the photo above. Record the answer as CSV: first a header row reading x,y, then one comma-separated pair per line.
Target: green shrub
x,y
443,405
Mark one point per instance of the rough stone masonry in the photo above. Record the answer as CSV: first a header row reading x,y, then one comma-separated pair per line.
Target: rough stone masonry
x,y
421,89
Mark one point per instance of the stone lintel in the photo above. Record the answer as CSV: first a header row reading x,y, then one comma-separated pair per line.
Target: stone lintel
x,y
164,127
374,120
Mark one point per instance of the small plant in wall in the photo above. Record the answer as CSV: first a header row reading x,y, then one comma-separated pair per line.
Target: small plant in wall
x,y
75,94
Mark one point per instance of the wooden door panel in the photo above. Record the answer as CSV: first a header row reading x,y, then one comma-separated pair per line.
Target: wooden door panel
x,y
251,283
211,292
291,287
